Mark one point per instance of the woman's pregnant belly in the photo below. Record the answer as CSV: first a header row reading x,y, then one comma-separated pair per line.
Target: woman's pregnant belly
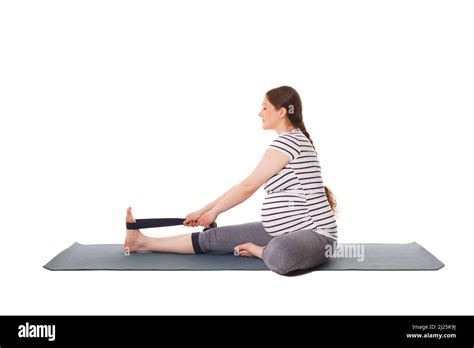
x,y
285,211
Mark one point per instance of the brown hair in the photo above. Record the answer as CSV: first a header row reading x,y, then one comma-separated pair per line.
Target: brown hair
x,y
287,97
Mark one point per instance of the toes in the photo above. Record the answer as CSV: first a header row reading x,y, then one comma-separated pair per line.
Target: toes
x,y
129,215
241,250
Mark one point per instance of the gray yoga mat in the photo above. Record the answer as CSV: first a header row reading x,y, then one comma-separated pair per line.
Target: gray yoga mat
x,y
378,257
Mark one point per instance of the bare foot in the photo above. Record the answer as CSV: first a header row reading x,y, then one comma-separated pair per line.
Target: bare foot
x,y
249,250
134,241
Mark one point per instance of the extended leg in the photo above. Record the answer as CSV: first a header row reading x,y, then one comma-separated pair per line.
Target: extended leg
x,y
218,239
138,242
180,244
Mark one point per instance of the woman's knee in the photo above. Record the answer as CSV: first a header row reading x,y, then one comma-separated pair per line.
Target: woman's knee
x,y
300,250
278,257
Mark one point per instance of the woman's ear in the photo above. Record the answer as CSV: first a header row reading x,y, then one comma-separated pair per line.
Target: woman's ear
x,y
282,112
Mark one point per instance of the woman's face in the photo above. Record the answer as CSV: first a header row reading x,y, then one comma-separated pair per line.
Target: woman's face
x,y
270,116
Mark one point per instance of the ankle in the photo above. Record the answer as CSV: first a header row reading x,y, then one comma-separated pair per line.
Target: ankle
x,y
141,242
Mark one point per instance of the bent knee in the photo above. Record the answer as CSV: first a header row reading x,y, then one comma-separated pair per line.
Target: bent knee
x,y
293,252
278,258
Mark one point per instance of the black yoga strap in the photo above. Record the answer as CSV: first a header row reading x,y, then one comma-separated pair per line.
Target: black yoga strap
x,y
149,223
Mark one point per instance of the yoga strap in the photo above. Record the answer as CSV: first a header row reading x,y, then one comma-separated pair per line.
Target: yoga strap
x,y
149,223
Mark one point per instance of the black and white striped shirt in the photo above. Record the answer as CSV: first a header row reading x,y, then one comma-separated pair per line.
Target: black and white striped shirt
x,y
296,199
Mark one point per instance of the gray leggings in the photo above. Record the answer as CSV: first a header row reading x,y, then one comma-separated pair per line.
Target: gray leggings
x,y
282,254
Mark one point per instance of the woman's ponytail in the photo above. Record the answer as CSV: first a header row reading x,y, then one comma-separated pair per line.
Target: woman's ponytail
x,y
331,199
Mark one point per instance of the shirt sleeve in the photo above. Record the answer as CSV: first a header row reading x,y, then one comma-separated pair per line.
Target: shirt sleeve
x,y
287,145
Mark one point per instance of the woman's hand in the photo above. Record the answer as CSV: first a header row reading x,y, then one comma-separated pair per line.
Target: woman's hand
x,y
207,218
200,218
191,219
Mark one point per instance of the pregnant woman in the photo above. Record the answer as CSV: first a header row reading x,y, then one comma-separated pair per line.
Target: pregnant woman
x,y
298,225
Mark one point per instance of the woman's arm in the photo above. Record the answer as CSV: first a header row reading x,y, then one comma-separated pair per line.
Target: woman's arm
x,y
236,195
233,197
212,204
196,217
270,164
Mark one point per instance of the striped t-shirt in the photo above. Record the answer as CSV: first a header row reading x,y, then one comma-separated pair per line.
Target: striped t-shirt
x,y
296,199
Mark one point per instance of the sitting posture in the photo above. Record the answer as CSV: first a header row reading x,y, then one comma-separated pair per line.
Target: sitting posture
x,y
297,215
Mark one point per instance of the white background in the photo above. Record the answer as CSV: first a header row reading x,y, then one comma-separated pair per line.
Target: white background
x,y
154,105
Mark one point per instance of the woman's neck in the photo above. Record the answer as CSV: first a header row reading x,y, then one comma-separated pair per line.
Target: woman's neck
x,y
285,129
